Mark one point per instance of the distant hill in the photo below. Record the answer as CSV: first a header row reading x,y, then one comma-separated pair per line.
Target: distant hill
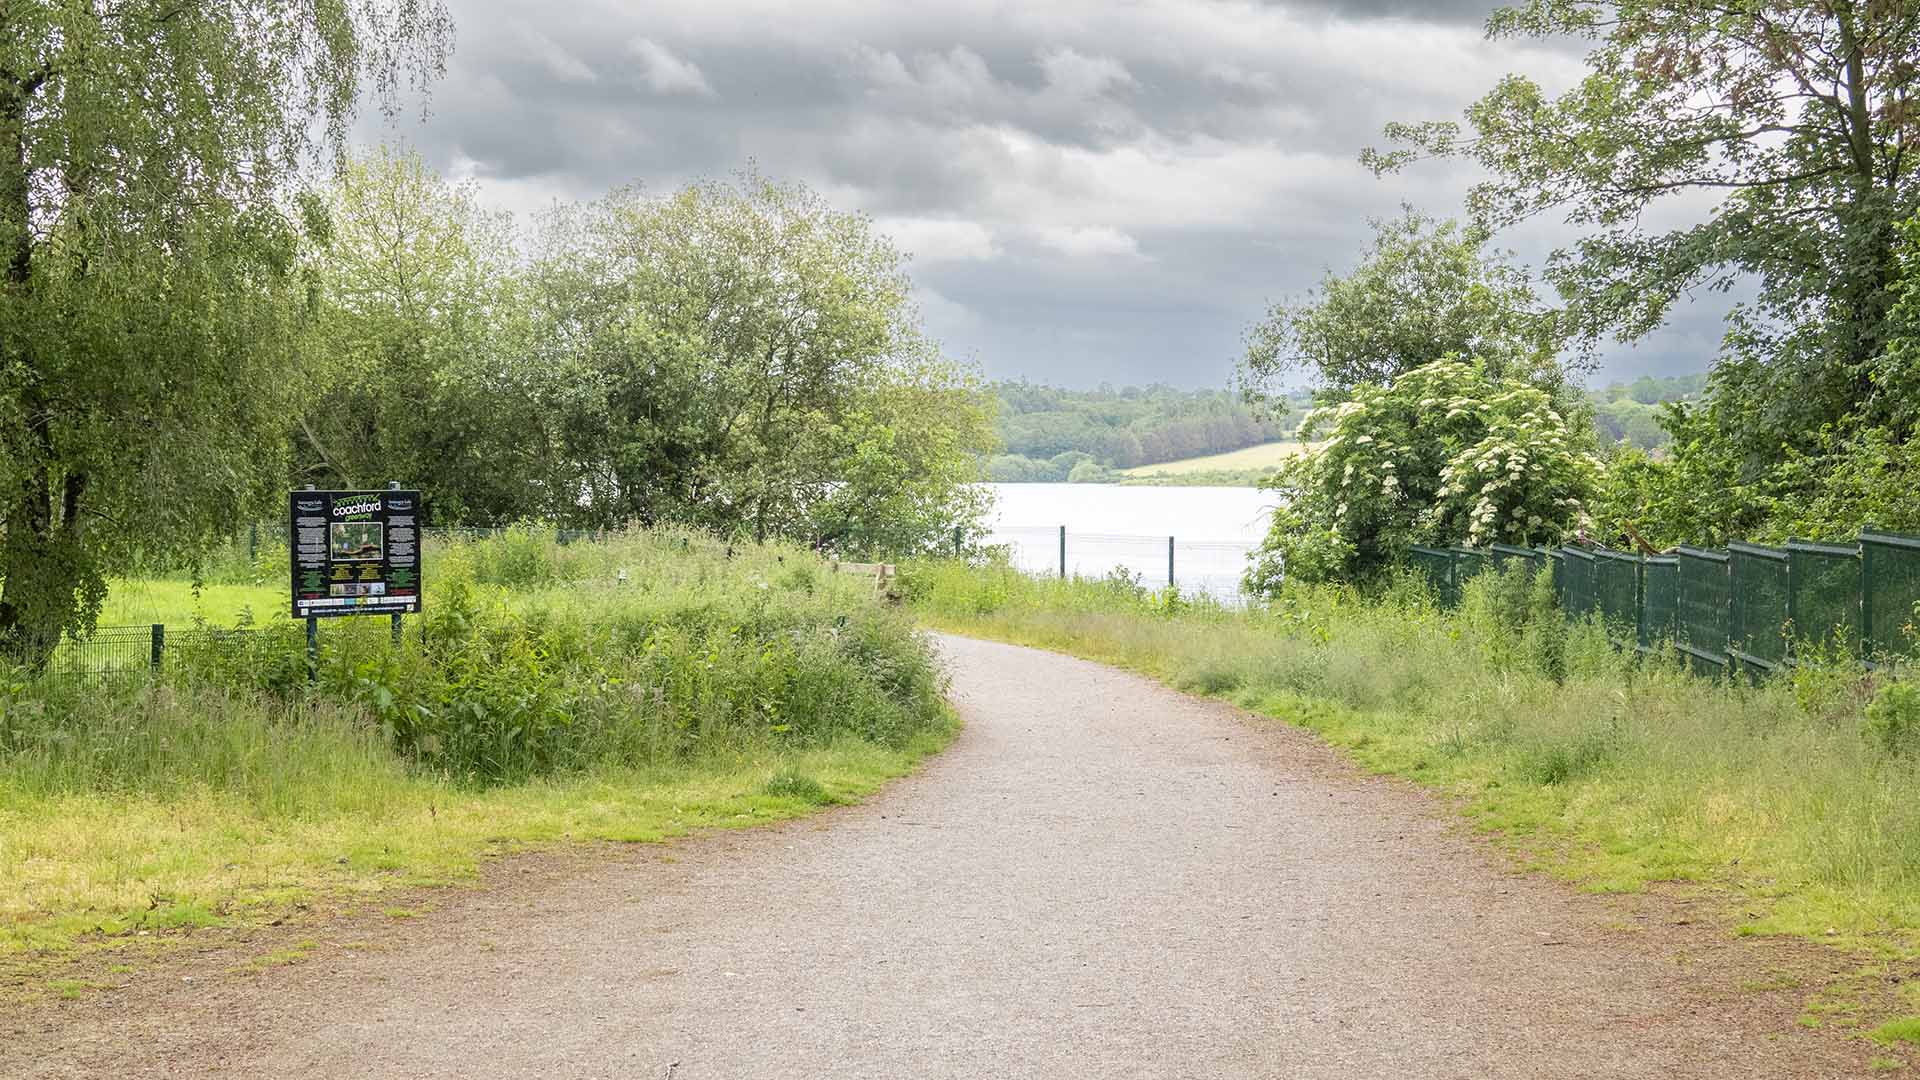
x,y
1629,412
1052,434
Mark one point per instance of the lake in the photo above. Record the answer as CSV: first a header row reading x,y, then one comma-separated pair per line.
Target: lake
x,y
1110,526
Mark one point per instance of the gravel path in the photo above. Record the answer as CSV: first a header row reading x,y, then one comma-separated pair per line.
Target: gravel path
x,y
1101,878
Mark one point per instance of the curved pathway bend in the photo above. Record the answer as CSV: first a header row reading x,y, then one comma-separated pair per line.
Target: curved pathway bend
x,y
1101,878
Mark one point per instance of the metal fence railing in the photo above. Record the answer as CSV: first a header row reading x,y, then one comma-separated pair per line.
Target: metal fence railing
x,y
1752,608
119,650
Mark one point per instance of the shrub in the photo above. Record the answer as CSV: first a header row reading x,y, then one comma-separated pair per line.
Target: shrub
x,y
1446,453
1893,719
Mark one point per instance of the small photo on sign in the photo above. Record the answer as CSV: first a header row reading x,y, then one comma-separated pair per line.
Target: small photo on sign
x,y
355,540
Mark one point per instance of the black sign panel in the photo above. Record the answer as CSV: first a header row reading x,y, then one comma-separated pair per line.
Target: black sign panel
x,y
355,552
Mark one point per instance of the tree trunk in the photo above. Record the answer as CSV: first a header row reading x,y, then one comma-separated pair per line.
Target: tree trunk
x,y
39,561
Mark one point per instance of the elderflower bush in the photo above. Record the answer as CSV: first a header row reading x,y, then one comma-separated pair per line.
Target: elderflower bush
x,y
1444,455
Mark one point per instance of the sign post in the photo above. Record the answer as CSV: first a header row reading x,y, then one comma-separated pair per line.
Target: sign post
x,y
354,553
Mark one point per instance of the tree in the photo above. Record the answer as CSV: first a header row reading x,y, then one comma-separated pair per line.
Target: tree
x,y
1827,484
419,370
1787,125
1447,454
1424,291
743,357
151,288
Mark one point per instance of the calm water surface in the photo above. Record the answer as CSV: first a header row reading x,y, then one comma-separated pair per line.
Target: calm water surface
x,y
1111,526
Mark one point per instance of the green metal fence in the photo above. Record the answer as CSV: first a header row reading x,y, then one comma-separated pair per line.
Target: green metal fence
x,y
1759,606
1659,600
1825,614
118,650
1579,598
1889,591
1506,555
1750,608
1436,566
1616,587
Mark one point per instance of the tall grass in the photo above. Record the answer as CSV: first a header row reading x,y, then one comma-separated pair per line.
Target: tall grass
x,y
1801,795
567,687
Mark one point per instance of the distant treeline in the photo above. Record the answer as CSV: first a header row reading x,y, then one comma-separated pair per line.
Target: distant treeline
x,y
1630,412
1048,433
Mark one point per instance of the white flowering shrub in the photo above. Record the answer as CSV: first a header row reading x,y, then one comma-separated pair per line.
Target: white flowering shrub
x,y
1445,455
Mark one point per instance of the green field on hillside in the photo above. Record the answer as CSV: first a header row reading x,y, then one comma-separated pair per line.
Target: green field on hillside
x,y
1264,456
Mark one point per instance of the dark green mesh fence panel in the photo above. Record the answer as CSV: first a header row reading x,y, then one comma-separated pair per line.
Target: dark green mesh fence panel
x,y
1506,556
1825,599
1890,591
1660,601
1616,581
108,650
1558,560
1437,567
1469,564
1578,601
1703,597
1757,577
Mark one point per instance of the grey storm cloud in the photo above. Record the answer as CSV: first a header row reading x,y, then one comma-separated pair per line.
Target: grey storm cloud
x,y
1090,192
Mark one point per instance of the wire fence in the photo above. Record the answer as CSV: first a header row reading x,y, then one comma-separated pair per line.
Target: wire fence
x,y
1213,567
121,650
1750,608
274,534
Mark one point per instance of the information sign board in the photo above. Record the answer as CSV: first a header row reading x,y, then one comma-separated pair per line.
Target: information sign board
x,y
355,552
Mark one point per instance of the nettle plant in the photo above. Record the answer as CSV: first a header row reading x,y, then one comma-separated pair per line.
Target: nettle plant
x,y
1445,454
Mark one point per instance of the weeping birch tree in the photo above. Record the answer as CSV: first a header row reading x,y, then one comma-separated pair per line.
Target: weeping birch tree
x,y
151,292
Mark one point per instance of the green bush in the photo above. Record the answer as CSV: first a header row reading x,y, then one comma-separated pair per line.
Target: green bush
x,y
1893,719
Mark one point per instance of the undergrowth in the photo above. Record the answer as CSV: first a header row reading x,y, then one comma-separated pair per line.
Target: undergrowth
x,y
629,689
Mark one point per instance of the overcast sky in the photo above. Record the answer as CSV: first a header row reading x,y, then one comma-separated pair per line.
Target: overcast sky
x,y
1091,190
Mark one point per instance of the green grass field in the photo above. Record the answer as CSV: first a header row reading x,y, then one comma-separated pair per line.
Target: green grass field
x,y
176,601
1264,456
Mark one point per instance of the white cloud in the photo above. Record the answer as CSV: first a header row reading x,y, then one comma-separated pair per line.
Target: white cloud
x,y
1089,241
1051,167
666,73
559,63
1076,75
940,240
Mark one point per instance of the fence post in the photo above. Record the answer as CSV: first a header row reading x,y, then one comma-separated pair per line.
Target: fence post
x,y
1169,562
1063,553
1866,599
253,542
1788,652
159,644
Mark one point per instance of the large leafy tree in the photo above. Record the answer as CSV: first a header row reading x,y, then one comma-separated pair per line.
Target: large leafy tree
x,y
1425,290
743,357
1778,133
420,375
150,279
